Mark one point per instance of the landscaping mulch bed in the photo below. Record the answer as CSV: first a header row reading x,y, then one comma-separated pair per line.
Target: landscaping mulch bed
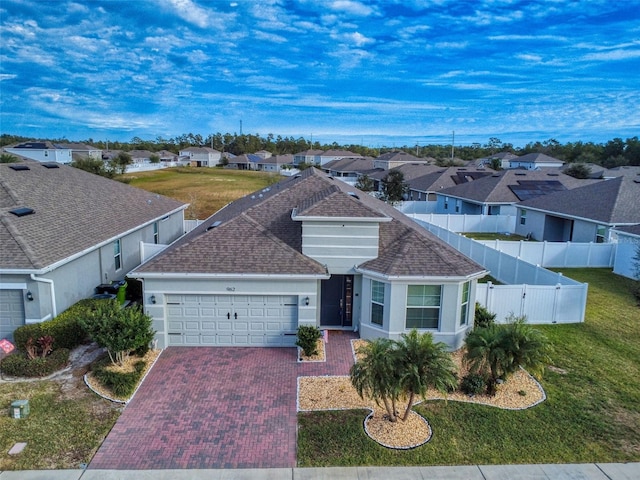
x,y
320,356
149,358
336,393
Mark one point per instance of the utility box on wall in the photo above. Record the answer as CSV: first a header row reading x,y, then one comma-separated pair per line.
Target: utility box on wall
x,y
19,409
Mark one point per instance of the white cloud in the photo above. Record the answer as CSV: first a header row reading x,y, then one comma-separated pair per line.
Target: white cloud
x,y
189,11
351,7
7,76
269,37
617,54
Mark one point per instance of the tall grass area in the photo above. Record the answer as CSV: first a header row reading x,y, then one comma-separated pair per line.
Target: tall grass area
x,y
592,411
206,189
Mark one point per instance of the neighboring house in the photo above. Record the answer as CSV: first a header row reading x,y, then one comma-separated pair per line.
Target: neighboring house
x,y
64,231
309,250
503,157
627,261
246,161
584,214
275,163
535,161
350,169
201,156
167,156
264,154
499,192
394,159
41,152
140,156
81,150
321,157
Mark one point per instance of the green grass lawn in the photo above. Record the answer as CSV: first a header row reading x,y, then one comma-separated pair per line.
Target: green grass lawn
x,y
207,190
64,429
494,236
592,411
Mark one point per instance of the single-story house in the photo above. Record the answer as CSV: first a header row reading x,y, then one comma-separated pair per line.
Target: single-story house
x,y
64,231
309,250
350,169
81,150
584,214
41,152
274,163
535,161
499,192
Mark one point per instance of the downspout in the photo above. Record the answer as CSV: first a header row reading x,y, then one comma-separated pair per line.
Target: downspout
x,y
54,311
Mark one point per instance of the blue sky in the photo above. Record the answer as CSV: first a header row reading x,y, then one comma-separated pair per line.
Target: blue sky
x,y
367,72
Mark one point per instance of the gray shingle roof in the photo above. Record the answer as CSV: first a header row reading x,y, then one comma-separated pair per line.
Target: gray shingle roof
x,y
536,158
256,234
614,201
74,211
494,188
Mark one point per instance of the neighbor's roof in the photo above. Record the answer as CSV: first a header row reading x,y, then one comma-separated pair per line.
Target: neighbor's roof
x,y
535,158
73,211
257,235
614,201
399,156
350,164
498,187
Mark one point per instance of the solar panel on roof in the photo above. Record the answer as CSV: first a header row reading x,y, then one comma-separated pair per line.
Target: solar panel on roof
x,y
526,189
22,211
19,166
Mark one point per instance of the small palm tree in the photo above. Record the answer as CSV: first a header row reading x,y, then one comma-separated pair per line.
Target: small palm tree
x,y
376,376
500,350
423,364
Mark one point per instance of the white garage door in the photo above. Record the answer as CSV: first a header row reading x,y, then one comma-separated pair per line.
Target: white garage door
x,y
232,320
11,312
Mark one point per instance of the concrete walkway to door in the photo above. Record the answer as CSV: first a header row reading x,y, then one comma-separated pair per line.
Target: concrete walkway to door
x,y
217,407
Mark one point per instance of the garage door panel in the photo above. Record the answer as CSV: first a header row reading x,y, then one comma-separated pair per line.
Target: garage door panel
x,y
242,320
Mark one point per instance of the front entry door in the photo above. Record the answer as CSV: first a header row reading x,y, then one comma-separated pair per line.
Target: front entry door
x,y
336,306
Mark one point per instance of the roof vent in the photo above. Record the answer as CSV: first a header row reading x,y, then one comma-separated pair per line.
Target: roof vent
x,y
353,194
521,174
215,224
496,175
553,174
19,166
50,165
22,212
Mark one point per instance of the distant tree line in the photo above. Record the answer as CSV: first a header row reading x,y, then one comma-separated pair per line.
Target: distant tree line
x,y
614,153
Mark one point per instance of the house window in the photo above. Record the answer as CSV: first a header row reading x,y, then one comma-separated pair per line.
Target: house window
x,y
156,235
423,306
446,203
377,302
458,202
523,217
117,254
464,307
601,234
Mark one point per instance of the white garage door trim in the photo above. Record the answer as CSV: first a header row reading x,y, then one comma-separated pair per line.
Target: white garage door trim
x,y
11,312
232,320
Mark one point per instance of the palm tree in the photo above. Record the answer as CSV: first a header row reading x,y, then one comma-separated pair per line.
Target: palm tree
x,y
423,364
376,376
500,350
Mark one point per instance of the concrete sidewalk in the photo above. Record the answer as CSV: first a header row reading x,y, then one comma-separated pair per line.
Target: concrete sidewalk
x,y
584,471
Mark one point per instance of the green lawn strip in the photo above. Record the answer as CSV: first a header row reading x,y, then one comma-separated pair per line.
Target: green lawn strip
x,y
592,411
60,433
512,237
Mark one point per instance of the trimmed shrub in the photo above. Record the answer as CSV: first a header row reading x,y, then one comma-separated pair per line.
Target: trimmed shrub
x,y
308,338
473,384
65,328
18,365
122,384
483,317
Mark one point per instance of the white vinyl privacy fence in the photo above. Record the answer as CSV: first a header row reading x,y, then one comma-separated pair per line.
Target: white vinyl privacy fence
x,y
469,223
558,254
543,296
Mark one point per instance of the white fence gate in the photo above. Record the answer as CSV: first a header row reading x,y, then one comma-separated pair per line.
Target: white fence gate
x,y
543,296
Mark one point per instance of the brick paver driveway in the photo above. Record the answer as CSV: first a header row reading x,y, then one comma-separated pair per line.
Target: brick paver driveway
x,y
209,407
